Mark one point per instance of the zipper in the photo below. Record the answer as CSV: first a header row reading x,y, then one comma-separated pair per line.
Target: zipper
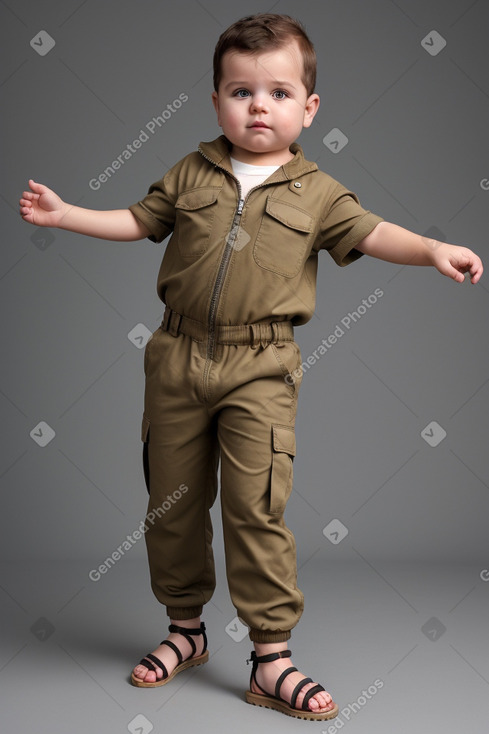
x,y
224,264
221,274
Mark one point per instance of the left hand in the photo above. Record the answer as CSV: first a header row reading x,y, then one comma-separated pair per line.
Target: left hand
x,y
454,261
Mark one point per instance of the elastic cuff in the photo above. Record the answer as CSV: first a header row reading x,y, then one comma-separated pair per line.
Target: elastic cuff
x,y
269,635
184,612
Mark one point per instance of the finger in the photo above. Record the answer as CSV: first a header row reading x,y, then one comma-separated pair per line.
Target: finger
x,y
476,276
38,188
25,203
458,276
446,268
468,263
30,195
473,268
476,265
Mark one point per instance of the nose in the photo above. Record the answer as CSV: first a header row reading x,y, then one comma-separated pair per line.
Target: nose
x,y
258,103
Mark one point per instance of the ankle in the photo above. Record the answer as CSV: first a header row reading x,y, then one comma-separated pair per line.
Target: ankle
x,y
190,623
266,648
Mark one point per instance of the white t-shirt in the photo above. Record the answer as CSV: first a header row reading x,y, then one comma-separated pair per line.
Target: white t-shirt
x,y
249,175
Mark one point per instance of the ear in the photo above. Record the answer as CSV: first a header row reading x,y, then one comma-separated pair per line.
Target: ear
x,y
215,102
312,106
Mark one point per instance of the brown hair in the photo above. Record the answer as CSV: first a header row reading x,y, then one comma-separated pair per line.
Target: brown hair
x,y
262,32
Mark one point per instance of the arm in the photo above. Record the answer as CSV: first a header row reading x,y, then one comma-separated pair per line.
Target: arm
x,y
42,207
395,244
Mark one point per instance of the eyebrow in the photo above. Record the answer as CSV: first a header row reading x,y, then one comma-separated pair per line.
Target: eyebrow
x,y
274,82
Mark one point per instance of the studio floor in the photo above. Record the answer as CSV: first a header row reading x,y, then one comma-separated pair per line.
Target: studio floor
x,y
402,647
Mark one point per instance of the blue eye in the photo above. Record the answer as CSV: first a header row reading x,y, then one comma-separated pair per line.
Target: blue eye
x,y
242,93
281,92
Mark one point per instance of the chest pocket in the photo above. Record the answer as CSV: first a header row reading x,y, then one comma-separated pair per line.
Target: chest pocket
x,y
284,238
194,216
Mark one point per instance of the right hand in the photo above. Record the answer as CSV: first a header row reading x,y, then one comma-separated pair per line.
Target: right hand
x,y
41,206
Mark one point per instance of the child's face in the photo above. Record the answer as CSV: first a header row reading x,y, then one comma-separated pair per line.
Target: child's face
x,y
265,88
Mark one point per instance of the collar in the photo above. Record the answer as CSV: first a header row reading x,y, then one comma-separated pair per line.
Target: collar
x,y
218,153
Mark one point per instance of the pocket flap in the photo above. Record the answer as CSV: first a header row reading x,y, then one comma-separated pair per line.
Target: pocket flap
x,y
197,198
284,440
145,429
289,215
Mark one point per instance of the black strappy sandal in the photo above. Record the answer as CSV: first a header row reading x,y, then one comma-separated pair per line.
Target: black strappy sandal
x,y
277,702
182,664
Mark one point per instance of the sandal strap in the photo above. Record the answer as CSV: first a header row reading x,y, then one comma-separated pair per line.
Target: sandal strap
x,y
186,631
281,679
150,666
175,650
255,659
297,690
147,664
310,693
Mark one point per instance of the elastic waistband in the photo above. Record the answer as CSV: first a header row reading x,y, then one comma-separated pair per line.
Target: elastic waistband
x,y
263,333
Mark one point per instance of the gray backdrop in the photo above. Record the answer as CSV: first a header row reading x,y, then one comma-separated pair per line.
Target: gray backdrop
x,y
392,464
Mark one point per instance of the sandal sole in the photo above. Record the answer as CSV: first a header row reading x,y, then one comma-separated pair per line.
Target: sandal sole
x,y
257,699
190,663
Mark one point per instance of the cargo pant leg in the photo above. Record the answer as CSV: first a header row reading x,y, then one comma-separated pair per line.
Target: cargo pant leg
x,y
181,463
257,440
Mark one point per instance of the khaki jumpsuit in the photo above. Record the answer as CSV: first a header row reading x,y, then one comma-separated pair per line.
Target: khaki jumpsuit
x,y
236,276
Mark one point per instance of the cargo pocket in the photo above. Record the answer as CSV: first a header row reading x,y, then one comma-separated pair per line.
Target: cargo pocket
x,y
283,240
283,445
194,215
145,439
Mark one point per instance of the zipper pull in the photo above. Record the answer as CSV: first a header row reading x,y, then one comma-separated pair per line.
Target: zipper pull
x,y
240,206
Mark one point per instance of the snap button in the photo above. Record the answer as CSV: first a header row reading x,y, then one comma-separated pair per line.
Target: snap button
x,y
297,184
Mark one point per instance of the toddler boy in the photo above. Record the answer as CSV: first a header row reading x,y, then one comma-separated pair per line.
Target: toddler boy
x,y
248,216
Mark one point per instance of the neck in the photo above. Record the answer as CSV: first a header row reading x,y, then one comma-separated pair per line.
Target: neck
x,y
271,158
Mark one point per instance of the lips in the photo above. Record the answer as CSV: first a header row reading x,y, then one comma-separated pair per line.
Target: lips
x,y
258,123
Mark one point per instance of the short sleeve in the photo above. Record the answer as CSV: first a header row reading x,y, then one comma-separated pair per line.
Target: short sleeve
x,y
157,209
344,225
